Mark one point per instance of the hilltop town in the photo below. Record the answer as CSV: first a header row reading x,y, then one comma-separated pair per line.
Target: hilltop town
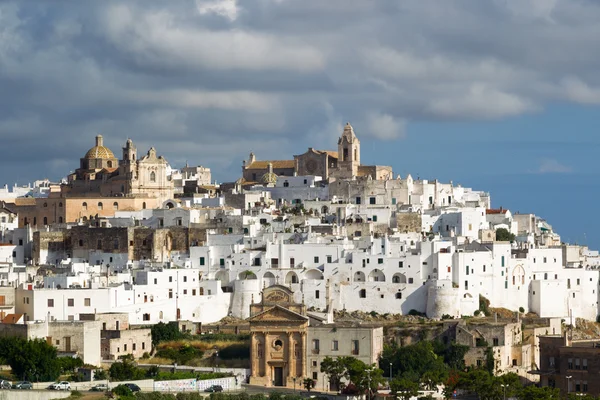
x,y
313,256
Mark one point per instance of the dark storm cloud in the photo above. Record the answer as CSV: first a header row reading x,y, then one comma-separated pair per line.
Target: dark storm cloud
x,y
208,81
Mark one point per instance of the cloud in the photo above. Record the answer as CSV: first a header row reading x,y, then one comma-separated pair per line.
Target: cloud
x,y
552,166
207,80
384,126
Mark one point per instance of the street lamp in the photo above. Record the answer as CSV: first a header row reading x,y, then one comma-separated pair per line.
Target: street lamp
x,y
390,372
504,390
294,379
568,383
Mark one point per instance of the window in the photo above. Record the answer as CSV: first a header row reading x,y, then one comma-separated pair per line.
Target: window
x,y
399,295
257,262
315,346
329,259
50,302
577,365
193,292
584,364
315,376
502,259
292,263
45,205
99,245
45,220
570,363
100,205
372,200
170,293
393,201
467,270
355,347
84,206
362,293
316,259
316,294
87,302
152,176
185,278
133,346
170,279
125,347
584,386
143,345
400,264
466,285
410,280
334,345
221,262
202,261
358,200
70,302
495,341
184,291
115,245
155,281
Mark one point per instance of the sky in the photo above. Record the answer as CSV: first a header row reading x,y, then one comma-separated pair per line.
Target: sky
x,y
497,95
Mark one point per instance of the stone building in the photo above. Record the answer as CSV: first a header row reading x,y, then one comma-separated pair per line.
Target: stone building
x,y
288,344
328,164
278,327
570,365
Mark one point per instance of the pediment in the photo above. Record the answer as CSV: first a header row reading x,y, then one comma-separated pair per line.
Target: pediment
x,y
277,314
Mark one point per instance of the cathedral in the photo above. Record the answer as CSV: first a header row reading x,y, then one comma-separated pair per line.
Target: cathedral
x,y
329,164
101,173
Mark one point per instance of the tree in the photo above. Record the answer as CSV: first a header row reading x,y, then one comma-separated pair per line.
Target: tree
x,y
412,362
404,388
162,332
536,393
335,371
503,235
308,384
33,360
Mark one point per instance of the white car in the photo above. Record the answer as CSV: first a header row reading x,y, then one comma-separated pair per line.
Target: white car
x,y
63,385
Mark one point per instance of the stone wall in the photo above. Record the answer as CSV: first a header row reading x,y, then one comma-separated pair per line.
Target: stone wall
x,y
408,222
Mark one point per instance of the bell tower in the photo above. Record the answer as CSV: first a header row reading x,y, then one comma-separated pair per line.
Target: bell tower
x,y
348,153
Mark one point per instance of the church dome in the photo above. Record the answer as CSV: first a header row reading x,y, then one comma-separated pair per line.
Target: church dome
x,y
99,151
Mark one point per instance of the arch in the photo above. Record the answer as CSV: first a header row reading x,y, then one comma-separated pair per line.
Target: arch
x,y
399,278
60,204
169,205
435,271
376,275
313,274
222,276
45,204
143,205
45,220
100,205
115,206
291,277
109,164
518,275
152,176
60,220
245,275
359,276
467,296
269,279
84,206
84,218
324,210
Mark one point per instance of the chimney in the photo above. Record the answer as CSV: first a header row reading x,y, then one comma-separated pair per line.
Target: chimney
x,y
99,141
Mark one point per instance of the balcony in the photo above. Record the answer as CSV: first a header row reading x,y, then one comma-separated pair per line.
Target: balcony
x,y
315,351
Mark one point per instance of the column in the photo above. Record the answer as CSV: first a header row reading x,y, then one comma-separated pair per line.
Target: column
x,y
267,353
303,354
254,355
291,360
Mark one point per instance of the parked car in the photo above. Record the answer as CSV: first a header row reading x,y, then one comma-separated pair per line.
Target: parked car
x,y
214,388
133,387
63,385
22,385
5,384
102,387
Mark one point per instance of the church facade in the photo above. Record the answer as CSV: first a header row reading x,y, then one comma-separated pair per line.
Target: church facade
x,y
288,343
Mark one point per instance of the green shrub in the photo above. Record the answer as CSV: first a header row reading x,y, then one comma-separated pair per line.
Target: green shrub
x,y
235,351
521,310
122,390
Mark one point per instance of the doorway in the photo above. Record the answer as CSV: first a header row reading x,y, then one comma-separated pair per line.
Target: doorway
x,y
278,381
